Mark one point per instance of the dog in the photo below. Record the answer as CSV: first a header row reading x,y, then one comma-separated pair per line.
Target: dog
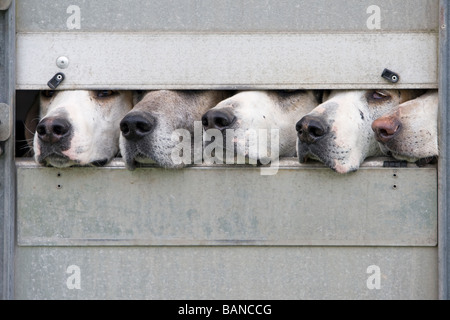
x,y
410,131
252,117
338,131
77,127
147,131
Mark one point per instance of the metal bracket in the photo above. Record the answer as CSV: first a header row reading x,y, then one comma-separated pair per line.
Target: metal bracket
x,y
56,80
390,76
5,122
4,4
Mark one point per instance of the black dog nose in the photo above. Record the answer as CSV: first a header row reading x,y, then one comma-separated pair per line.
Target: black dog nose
x,y
310,129
218,119
135,126
52,129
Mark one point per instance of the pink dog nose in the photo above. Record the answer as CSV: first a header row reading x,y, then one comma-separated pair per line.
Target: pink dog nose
x,y
386,128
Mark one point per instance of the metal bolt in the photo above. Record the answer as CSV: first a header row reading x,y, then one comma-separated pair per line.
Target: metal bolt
x,y
62,62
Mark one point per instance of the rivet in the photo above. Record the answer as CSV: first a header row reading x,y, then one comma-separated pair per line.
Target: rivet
x,y
62,62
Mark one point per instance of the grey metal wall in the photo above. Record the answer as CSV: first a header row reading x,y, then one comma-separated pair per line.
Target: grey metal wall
x,y
227,44
7,167
227,232
444,117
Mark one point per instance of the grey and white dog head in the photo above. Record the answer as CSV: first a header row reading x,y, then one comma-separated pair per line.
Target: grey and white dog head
x,y
250,116
79,127
338,131
410,130
147,130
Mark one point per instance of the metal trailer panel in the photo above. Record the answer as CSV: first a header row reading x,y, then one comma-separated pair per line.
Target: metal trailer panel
x,y
230,61
236,273
230,269
7,169
219,16
444,140
226,205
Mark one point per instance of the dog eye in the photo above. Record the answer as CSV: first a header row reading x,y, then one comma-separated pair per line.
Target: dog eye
x,y
48,93
105,93
377,95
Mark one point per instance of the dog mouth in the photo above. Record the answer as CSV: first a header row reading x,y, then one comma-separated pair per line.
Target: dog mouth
x,y
305,153
56,160
132,161
62,161
99,163
337,164
419,161
303,158
427,160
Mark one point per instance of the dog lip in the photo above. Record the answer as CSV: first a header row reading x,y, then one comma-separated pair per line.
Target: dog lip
x,y
304,158
133,160
55,160
131,165
303,153
100,163
53,156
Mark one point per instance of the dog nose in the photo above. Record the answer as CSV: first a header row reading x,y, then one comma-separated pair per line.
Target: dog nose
x,y
218,119
310,129
386,128
52,130
136,126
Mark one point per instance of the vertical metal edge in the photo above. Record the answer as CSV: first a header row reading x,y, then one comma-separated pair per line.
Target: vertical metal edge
x,y
9,166
443,177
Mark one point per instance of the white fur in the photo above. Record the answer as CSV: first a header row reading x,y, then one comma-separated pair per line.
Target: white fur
x,y
417,137
95,123
173,110
348,115
267,111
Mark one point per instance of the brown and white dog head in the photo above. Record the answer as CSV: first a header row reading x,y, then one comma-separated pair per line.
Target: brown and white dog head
x,y
147,130
410,130
338,131
79,127
250,115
